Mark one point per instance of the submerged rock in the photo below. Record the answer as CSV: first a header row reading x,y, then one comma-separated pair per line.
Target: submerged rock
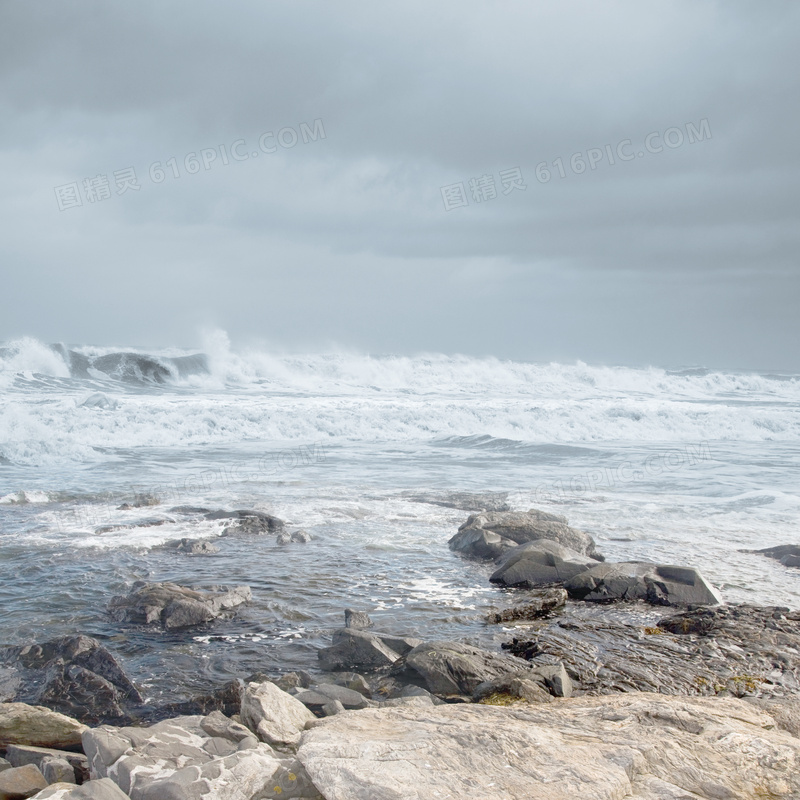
x,y
356,650
465,501
658,584
248,522
194,547
633,745
787,554
539,563
74,675
489,534
175,606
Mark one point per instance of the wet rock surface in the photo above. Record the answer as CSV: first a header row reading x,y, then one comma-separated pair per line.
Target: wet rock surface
x,y
787,554
539,563
657,584
74,675
739,650
174,606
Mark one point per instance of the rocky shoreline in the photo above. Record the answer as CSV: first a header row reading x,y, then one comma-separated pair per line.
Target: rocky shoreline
x,y
614,680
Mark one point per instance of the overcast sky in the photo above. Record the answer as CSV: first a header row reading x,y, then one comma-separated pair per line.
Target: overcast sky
x,y
334,231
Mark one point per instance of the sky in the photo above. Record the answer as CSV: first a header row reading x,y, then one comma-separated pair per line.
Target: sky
x,y
610,182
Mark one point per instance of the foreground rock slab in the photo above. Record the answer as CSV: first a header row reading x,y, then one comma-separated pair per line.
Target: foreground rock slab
x,y
104,789
275,716
175,606
636,746
657,584
21,724
491,534
18,783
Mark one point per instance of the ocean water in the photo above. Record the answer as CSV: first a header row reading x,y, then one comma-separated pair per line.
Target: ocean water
x,y
363,452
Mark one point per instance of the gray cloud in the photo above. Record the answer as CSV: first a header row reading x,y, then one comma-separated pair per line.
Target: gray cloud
x,y
688,255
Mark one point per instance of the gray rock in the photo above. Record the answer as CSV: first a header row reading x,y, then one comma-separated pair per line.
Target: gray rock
x,y
358,683
103,789
477,543
4,764
332,708
248,522
356,650
465,501
177,760
217,725
453,668
399,644
658,584
57,770
74,675
787,554
275,716
637,746
347,697
535,685
18,783
356,619
418,691
301,537
539,603
193,547
19,755
21,724
174,606
289,681
516,528
283,538
539,563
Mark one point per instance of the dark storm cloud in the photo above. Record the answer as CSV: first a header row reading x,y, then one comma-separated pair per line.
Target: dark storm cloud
x,y
684,255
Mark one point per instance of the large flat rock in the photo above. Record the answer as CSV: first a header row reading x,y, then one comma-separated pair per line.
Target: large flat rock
x,y
21,724
634,746
658,584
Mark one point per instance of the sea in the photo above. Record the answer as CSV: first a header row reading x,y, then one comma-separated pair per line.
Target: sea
x,y
380,458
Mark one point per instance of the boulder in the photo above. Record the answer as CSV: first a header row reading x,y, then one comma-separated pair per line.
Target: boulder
x,y
540,603
104,789
356,619
74,675
192,547
453,668
174,606
275,716
358,683
21,724
516,528
638,746
178,760
18,783
301,537
19,755
4,764
658,584
57,770
356,650
539,563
